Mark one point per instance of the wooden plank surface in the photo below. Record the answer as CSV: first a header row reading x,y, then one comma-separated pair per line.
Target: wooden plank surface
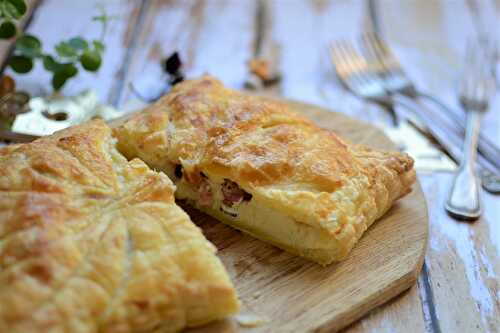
x,y
211,36
459,289
462,264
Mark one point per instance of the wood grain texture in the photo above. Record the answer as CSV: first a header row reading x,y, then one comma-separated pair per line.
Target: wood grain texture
x,y
304,31
296,295
462,264
398,315
211,37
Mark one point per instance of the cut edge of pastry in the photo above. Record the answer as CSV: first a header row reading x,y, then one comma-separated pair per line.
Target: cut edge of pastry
x,y
323,244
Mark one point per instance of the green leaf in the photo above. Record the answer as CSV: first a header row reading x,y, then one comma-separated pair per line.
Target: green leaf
x,y
8,10
91,60
98,46
65,50
29,46
65,72
69,69
7,30
78,43
20,6
21,64
50,64
58,80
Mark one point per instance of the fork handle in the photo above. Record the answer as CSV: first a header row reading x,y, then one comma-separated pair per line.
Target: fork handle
x,y
463,201
451,143
454,121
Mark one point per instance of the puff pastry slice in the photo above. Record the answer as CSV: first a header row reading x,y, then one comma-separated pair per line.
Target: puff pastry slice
x,y
92,243
253,164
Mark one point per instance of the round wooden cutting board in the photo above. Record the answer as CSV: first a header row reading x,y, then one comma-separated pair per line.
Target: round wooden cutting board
x,y
291,294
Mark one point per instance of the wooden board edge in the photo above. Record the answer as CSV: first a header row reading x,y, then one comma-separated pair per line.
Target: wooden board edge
x,y
392,290
388,293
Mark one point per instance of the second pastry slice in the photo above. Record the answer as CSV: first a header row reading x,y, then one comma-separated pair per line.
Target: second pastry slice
x,y
263,169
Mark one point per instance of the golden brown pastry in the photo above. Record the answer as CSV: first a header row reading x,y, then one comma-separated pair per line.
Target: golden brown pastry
x,y
252,163
92,243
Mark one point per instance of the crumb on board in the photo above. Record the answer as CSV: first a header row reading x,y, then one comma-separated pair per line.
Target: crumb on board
x,y
250,320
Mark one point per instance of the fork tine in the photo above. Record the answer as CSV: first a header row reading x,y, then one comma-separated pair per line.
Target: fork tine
x,y
485,61
468,71
382,52
342,64
338,59
490,61
378,45
347,54
344,59
373,43
477,66
358,72
477,78
355,73
369,49
363,72
350,55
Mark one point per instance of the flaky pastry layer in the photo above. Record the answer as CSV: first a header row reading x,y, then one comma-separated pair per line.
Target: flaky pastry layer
x,y
92,243
305,173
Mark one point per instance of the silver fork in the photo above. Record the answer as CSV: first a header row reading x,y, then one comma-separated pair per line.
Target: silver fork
x,y
362,77
396,82
359,77
477,86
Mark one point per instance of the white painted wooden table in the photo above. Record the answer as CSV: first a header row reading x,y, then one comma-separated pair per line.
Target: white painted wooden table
x,y
458,290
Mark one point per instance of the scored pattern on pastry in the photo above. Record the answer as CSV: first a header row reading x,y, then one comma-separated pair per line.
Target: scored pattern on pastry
x,y
92,243
250,162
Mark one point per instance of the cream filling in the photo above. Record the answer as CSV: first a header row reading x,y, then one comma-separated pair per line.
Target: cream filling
x,y
257,219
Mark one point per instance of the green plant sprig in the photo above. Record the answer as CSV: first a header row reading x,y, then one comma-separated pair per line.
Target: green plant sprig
x,y
63,64
68,56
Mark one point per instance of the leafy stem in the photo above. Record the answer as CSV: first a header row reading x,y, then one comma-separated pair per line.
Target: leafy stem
x,y
68,56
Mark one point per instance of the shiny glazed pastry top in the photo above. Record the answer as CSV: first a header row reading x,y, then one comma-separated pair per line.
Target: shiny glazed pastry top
x,y
252,163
